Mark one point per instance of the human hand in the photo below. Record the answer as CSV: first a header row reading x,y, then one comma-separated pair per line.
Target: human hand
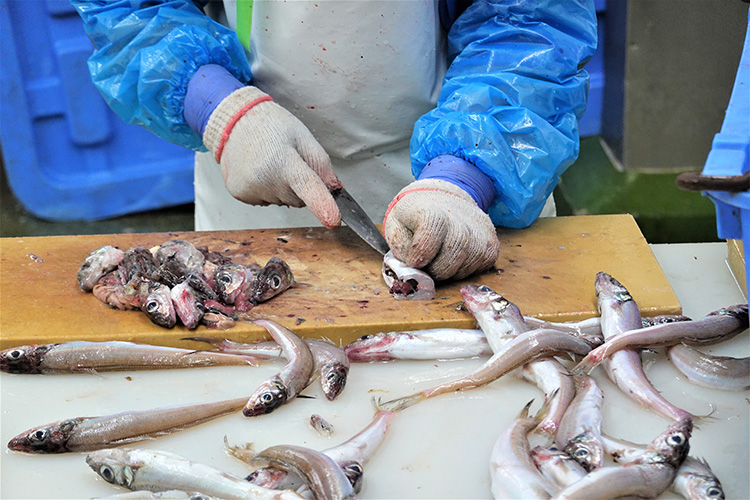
x,y
268,156
436,226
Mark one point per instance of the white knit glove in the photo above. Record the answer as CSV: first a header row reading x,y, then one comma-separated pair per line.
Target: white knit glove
x,y
435,225
268,156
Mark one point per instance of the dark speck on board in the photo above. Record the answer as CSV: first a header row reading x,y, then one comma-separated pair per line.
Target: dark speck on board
x,y
300,321
282,240
546,277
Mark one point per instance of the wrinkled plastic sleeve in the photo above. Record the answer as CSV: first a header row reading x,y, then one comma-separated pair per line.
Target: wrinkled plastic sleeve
x,y
512,98
145,53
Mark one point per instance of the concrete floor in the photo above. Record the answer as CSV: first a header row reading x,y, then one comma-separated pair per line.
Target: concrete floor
x,y
590,186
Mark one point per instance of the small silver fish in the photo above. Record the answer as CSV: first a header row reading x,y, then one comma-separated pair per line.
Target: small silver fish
x,y
294,377
438,343
580,430
151,470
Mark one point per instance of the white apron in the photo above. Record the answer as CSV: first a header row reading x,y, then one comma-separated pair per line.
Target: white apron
x,y
358,74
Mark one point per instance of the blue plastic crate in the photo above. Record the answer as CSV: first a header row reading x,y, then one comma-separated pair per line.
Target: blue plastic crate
x,y
67,155
730,156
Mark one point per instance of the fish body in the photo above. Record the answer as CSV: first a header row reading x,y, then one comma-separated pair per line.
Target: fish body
x,y
159,495
108,356
557,466
558,387
620,313
439,343
513,473
93,433
525,348
187,306
151,470
275,277
715,327
294,377
324,476
580,432
718,372
404,282
97,264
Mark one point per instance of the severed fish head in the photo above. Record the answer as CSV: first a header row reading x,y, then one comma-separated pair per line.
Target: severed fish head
x,y
231,282
275,277
23,359
137,260
187,305
333,379
183,252
158,306
114,466
371,348
587,450
270,395
51,438
97,264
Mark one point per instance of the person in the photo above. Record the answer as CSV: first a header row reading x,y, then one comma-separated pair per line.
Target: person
x,y
285,101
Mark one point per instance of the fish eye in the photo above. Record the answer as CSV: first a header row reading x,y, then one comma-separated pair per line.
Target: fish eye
x,y
484,288
581,452
107,473
356,468
676,439
331,376
714,492
266,397
14,355
38,437
275,281
225,278
366,337
151,306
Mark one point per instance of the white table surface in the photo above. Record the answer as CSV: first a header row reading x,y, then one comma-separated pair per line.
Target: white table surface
x,y
436,449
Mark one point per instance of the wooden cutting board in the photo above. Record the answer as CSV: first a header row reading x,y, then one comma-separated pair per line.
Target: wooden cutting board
x,y
547,269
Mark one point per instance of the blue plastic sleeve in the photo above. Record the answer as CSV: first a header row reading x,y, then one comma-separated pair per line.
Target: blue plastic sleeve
x,y
464,175
511,99
145,54
210,85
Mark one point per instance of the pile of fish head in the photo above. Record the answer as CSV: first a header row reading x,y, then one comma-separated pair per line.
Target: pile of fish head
x,y
51,438
269,396
97,264
113,465
275,277
23,359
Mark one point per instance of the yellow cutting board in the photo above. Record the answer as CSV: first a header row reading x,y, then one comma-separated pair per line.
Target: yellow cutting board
x,y
547,269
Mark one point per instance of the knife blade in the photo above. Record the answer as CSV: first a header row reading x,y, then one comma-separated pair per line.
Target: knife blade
x,y
356,218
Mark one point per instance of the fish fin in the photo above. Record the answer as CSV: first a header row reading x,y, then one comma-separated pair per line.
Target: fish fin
x,y
400,403
699,419
305,396
244,453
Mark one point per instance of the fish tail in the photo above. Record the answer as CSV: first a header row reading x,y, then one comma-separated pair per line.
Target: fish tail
x,y
587,364
244,453
400,403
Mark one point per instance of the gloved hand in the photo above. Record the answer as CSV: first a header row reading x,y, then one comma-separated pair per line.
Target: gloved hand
x,y
437,226
267,155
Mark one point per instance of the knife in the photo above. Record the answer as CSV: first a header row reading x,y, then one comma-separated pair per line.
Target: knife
x,y
356,218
